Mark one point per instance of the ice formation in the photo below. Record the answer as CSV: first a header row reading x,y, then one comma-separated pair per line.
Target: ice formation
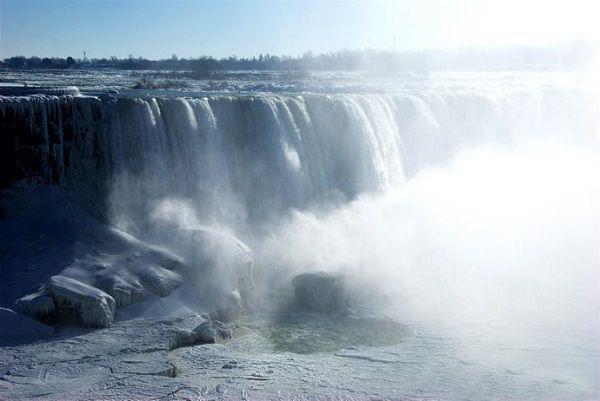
x,y
93,307
38,305
112,270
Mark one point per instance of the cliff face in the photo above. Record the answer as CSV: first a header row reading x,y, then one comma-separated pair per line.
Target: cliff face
x,y
54,140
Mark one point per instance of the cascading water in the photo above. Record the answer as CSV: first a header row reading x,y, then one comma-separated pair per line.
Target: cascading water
x,y
246,159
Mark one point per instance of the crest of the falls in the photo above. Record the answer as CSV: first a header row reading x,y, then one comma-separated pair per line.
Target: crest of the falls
x,y
245,158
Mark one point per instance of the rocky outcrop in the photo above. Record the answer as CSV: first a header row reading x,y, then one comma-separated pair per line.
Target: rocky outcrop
x,y
320,291
207,332
91,306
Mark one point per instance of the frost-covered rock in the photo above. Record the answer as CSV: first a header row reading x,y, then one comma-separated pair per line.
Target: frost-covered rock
x,y
102,277
160,281
92,306
38,305
183,338
212,330
124,290
320,291
207,332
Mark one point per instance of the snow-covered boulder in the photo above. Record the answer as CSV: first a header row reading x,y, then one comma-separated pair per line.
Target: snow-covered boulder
x,y
184,338
125,289
320,291
159,281
38,305
112,269
207,332
92,306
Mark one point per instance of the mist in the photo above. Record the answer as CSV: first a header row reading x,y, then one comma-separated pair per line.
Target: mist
x,y
494,236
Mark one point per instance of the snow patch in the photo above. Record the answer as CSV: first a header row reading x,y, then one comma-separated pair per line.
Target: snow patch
x,y
14,326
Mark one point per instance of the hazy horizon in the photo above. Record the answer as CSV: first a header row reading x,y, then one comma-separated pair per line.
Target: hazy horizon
x,y
190,29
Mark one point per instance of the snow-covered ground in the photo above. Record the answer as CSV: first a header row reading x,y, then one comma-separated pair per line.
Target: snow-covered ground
x,y
92,82
131,360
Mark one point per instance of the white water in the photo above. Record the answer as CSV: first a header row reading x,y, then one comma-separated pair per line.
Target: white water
x,y
244,159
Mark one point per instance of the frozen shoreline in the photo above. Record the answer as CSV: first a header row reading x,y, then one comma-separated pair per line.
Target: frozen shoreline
x,y
129,361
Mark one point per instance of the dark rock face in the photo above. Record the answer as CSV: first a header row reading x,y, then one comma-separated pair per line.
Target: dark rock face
x,y
320,291
55,140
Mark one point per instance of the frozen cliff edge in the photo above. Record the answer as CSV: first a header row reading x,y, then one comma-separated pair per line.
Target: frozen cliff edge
x,y
19,90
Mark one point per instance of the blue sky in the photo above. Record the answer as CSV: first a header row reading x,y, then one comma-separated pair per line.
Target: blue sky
x,y
157,29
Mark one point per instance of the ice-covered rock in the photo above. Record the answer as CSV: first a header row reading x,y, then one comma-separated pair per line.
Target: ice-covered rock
x,y
101,277
320,291
184,338
124,290
38,305
92,306
160,281
207,332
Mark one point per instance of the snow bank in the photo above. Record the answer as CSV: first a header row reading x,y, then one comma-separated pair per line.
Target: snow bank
x,y
93,307
16,327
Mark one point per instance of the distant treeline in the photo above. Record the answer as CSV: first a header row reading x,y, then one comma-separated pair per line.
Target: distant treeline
x,y
571,56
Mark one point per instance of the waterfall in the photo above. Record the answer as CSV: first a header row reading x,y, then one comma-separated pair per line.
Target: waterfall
x,y
247,158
